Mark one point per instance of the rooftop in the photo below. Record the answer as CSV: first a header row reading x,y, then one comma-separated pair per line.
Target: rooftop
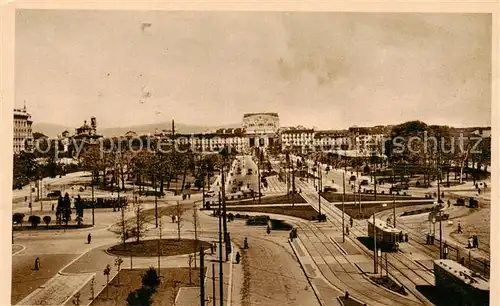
x,y
256,114
382,225
463,273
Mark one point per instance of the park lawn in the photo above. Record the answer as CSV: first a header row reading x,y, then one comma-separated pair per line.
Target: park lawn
x,y
172,279
368,209
168,247
303,212
349,197
43,227
279,199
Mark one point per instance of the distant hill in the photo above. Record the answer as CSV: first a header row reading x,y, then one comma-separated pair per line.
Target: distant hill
x,y
151,128
52,130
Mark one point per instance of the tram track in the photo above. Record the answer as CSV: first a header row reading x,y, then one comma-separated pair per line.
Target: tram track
x,y
410,282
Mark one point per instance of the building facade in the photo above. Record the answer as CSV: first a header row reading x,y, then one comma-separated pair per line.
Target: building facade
x,y
23,134
261,129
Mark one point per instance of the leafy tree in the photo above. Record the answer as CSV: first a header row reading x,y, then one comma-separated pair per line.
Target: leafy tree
x,y
47,220
34,220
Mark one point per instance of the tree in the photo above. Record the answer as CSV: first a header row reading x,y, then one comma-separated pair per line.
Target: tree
x,y
106,272
34,220
47,220
179,211
118,264
18,218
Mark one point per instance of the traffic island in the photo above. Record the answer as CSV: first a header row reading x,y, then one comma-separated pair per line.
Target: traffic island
x,y
166,247
138,287
389,283
366,210
51,227
305,212
279,199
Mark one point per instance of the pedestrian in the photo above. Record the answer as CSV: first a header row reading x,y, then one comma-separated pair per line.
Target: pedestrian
x,y
346,295
442,194
245,243
37,263
173,217
470,242
459,228
406,237
449,203
351,221
268,230
238,257
89,238
347,230
52,206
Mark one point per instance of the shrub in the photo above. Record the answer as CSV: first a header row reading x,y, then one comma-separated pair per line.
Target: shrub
x,y
18,218
150,279
34,220
47,220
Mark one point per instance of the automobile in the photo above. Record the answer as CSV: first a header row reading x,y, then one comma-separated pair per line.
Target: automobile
x,y
210,193
460,202
54,194
364,183
329,189
352,178
473,203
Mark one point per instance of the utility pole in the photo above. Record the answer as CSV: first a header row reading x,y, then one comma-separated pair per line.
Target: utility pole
x,y
221,279
374,245
393,198
224,219
319,187
156,202
93,202
375,183
440,235
343,200
258,169
202,277
213,284
293,185
159,249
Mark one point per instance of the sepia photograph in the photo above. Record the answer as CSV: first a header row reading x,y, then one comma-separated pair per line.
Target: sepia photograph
x,y
279,157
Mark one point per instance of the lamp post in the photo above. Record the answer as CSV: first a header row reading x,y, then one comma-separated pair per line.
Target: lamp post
x,y
343,200
320,183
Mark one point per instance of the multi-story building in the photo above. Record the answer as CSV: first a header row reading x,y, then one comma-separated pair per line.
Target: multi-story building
x,y
23,135
298,140
213,142
330,140
261,128
368,139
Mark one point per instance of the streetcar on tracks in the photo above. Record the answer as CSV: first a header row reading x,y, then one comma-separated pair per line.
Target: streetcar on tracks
x,y
388,237
459,285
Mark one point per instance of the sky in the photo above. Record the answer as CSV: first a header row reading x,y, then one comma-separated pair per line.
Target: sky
x,y
324,70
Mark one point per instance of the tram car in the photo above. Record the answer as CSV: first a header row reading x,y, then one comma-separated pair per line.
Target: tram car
x,y
388,237
459,285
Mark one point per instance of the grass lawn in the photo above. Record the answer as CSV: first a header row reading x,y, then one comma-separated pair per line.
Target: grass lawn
x,y
368,209
349,197
130,280
280,199
304,212
168,247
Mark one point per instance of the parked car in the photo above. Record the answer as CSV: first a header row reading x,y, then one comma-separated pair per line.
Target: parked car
x,y
460,202
364,183
54,194
473,203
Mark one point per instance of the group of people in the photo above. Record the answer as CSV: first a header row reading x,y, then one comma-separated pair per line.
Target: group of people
x,y
473,242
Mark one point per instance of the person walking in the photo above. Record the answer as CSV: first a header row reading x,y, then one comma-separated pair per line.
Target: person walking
x,y
351,221
459,228
89,238
347,230
37,264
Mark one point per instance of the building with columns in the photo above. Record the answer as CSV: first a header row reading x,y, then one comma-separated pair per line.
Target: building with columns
x,y
261,129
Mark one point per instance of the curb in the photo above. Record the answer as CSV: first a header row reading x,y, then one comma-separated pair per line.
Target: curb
x,y
79,288
23,248
316,292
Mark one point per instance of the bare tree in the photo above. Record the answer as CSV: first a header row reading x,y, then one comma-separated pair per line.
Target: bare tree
x,y
178,212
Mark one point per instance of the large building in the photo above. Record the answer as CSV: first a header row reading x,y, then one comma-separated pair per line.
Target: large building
x,y
261,128
23,135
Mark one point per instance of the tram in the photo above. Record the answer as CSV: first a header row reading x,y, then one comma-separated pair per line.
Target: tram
x,y
388,237
461,286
